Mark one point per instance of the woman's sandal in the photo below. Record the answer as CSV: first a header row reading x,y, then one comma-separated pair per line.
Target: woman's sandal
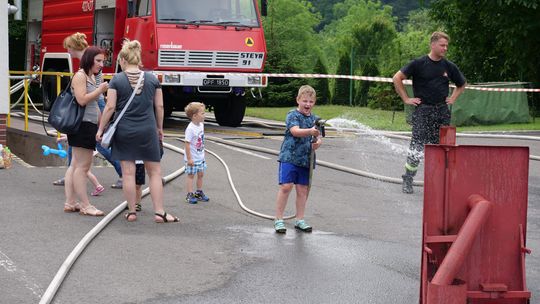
x,y
88,211
162,218
72,208
138,207
131,216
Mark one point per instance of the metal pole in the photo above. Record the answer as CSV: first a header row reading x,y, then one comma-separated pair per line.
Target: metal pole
x,y
18,13
351,81
25,104
461,247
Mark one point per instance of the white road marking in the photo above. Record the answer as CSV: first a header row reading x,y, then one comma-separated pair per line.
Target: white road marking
x,y
20,274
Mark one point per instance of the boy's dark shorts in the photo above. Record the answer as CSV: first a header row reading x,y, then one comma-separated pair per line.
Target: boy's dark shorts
x,y
292,174
140,174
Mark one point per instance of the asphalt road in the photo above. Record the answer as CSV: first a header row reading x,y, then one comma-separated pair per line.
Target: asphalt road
x,y
365,247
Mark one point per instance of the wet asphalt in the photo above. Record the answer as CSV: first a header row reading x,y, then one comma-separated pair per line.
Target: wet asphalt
x,y
365,247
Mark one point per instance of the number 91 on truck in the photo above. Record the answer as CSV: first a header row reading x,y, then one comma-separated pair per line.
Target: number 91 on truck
x,y
204,50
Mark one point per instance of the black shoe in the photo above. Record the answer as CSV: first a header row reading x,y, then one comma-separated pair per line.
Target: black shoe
x,y
407,185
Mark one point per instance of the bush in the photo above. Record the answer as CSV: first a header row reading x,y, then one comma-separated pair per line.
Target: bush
x,y
383,96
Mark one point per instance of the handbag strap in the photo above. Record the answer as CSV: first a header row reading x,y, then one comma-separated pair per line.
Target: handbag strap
x,y
129,101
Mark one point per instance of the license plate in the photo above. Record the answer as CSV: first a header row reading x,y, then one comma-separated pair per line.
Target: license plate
x,y
215,82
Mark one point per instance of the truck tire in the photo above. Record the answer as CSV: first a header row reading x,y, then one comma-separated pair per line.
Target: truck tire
x,y
230,112
169,98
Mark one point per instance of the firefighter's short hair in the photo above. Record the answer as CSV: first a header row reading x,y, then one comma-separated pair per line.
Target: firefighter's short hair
x,y
435,36
131,52
307,90
193,108
76,41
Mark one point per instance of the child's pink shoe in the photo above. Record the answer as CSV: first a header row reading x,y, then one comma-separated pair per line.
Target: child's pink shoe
x,y
99,189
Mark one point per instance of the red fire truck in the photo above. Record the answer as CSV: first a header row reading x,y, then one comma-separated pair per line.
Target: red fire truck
x,y
200,50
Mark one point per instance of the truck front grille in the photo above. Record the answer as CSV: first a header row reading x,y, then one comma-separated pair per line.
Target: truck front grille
x,y
202,59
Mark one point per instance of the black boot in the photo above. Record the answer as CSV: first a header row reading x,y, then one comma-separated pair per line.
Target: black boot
x,y
407,185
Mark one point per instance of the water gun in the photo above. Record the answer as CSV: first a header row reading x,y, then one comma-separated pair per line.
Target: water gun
x,y
60,151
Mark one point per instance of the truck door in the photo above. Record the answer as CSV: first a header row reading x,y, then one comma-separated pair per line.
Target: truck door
x,y
141,27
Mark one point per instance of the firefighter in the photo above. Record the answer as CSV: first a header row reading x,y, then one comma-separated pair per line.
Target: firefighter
x,y
430,75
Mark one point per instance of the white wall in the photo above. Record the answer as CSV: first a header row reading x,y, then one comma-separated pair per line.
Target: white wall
x,y
4,59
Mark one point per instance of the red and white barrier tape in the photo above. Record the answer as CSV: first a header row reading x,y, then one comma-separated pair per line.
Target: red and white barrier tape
x,y
387,79
368,78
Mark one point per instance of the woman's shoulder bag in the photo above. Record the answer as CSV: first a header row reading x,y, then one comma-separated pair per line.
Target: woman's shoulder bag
x,y
108,135
66,114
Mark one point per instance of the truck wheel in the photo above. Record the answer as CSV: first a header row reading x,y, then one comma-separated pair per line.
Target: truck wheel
x,y
48,89
230,112
167,111
169,98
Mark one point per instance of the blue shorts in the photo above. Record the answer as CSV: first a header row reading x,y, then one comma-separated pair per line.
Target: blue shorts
x,y
199,166
292,174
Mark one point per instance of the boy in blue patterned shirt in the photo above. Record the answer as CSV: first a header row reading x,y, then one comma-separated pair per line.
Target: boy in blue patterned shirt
x,y
301,136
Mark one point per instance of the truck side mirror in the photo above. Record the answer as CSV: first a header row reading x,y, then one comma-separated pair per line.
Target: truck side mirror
x,y
264,7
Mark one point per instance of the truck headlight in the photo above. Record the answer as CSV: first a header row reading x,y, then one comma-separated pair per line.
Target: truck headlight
x,y
172,78
254,80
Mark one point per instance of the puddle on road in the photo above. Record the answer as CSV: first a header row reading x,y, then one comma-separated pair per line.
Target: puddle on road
x,y
318,267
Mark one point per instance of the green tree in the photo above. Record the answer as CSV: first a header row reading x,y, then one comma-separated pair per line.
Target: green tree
x,y
369,40
493,40
365,27
343,86
324,7
292,47
321,84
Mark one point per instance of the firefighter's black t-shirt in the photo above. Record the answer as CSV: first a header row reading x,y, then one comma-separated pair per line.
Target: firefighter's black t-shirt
x,y
431,78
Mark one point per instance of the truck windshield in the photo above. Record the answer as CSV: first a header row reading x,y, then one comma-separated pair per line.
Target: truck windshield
x,y
210,12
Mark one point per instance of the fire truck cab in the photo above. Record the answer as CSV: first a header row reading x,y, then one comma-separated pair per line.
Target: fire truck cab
x,y
204,50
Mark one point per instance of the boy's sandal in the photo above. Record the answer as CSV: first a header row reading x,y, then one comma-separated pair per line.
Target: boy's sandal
x,y
91,211
303,226
72,208
162,218
99,189
131,216
279,226
59,182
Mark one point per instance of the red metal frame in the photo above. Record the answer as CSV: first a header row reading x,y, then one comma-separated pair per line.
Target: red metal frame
x,y
492,268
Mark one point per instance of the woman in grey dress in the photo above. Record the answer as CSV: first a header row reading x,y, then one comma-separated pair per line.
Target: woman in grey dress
x,y
139,131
